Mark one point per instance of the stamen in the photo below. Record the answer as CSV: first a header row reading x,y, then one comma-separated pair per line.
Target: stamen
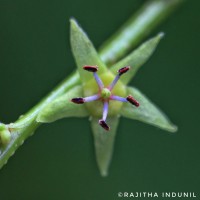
x,y
105,113
91,98
104,125
78,100
123,70
98,80
117,98
111,86
105,110
132,101
90,68
120,72
94,69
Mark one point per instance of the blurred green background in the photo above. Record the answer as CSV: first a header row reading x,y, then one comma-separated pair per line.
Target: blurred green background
x,y
58,162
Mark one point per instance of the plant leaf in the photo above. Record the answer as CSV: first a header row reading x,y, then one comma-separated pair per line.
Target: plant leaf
x,y
137,58
104,143
147,112
84,51
63,107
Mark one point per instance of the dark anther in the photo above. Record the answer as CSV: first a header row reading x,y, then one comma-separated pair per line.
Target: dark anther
x,y
91,68
123,70
132,101
78,100
104,125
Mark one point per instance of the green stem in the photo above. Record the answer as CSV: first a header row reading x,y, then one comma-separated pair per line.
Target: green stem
x,y
64,86
114,48
137,27
26,125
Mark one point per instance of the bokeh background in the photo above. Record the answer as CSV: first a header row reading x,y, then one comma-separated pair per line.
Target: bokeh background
x,y
58,162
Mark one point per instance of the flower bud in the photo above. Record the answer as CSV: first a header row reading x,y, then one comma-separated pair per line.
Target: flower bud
x,y
5,134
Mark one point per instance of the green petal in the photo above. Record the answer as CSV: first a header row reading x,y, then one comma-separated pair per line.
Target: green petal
x,y
63,107
147,112
84,51
104,143
137,58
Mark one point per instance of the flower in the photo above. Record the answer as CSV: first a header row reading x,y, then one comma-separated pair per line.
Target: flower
x,y
105,93
100,97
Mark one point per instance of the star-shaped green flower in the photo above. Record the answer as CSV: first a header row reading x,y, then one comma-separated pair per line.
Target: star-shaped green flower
x,y
87,57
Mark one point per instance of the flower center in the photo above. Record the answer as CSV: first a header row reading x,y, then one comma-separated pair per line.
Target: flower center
x,y
95,108
105,93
